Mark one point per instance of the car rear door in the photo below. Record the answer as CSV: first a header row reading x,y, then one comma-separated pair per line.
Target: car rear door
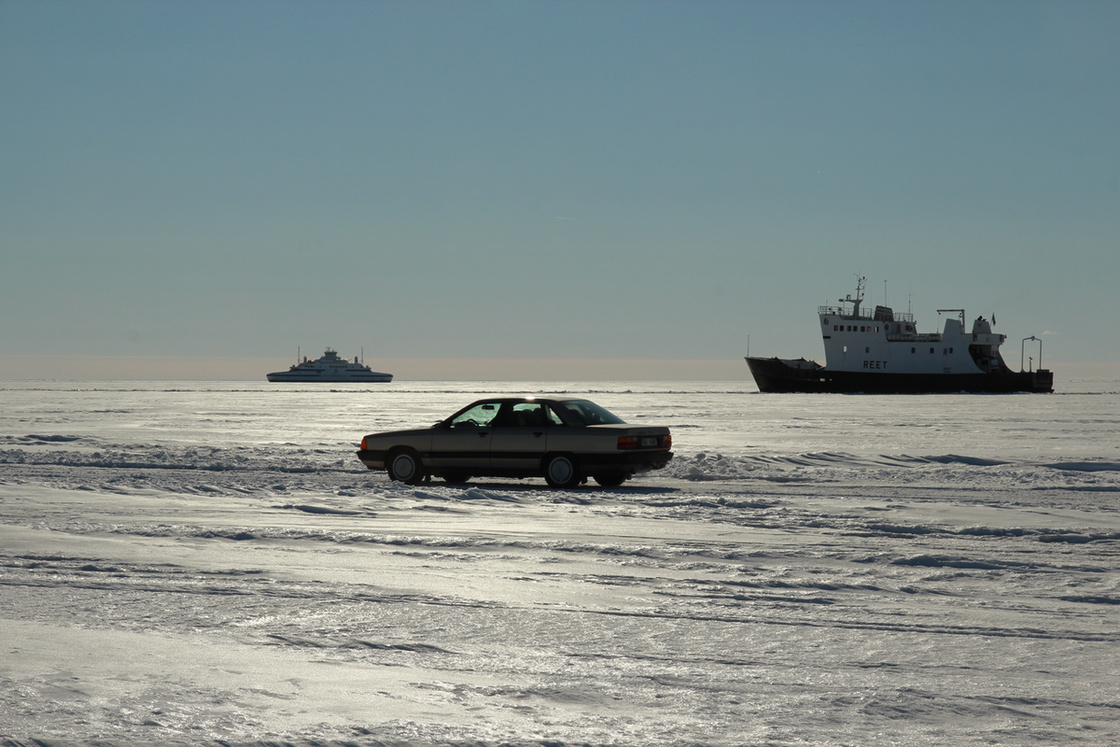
x,y
520,437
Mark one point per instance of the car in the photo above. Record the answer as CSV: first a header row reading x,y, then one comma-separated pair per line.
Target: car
x,y
565,440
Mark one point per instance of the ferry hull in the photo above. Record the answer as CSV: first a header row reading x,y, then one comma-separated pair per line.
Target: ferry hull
x,y
301,376
798,376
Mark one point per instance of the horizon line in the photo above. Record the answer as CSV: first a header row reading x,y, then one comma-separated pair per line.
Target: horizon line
x,y
79,367
57,366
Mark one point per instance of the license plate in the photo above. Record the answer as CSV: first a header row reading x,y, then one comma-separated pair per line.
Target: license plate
x,y
649,441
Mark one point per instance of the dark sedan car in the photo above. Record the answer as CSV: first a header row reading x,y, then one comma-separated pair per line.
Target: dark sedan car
x,y
565,440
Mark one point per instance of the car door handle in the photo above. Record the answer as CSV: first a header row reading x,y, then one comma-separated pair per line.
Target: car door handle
x,y
483,434
538,434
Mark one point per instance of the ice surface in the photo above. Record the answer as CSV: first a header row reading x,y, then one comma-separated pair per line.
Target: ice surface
x,y
210,562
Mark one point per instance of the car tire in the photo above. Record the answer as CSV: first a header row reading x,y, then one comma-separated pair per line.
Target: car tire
x,y
456,478
611,479
404,465
562,471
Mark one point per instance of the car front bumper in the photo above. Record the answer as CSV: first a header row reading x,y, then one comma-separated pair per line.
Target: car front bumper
x,y
372,458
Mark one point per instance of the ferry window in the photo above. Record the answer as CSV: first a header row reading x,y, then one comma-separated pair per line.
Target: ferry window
x,y
913,350
950,351
931,351
867,350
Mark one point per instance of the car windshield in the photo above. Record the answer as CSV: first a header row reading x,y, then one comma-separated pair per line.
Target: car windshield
x,y
589,413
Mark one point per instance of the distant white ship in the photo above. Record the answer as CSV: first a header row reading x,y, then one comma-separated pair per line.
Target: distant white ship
x,y
329,368
883,352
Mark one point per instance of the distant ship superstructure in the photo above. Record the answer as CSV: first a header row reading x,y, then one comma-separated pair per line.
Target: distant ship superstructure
x,y
883,352
329,368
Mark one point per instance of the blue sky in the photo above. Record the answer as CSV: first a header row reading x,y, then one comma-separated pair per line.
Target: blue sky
x,y
551,180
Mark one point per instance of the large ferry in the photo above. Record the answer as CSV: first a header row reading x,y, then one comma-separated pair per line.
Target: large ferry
x,y
883,352
329,368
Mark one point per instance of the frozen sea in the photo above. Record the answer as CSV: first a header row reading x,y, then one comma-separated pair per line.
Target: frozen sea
x,y
185,562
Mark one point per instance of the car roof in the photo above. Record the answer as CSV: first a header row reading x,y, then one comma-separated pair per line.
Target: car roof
x,y
533,398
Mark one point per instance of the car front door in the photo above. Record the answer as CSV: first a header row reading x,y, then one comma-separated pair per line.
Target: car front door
x,y
463,443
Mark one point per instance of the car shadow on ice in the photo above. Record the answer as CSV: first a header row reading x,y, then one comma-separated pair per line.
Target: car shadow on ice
x,y
484,490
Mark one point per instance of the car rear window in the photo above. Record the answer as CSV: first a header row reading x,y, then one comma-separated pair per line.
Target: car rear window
x,y
589,413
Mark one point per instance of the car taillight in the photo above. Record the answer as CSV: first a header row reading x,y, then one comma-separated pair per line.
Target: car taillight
x,y
645,442
363,444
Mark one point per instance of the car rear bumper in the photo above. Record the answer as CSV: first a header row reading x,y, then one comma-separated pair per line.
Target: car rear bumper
x,y
626,461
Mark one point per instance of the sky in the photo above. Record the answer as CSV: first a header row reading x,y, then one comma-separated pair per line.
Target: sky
x,y
581,184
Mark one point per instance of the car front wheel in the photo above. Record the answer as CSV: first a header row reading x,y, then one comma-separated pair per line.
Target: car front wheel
x,y
562,472
405,466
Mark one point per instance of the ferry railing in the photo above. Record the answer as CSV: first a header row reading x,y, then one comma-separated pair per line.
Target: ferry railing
x,y
898,316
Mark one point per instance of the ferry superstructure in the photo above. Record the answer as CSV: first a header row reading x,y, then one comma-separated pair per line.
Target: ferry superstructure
x,y
883,352
330,368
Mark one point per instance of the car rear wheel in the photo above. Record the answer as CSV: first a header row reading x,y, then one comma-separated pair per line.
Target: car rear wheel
x,y
611,479
562,471
456,478
405,466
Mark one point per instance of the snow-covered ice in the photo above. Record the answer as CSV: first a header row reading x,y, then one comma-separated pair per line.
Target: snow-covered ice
x,y
204,562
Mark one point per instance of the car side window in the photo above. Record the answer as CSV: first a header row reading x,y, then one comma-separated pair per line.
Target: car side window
x,y
479,416
529,415
521,414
